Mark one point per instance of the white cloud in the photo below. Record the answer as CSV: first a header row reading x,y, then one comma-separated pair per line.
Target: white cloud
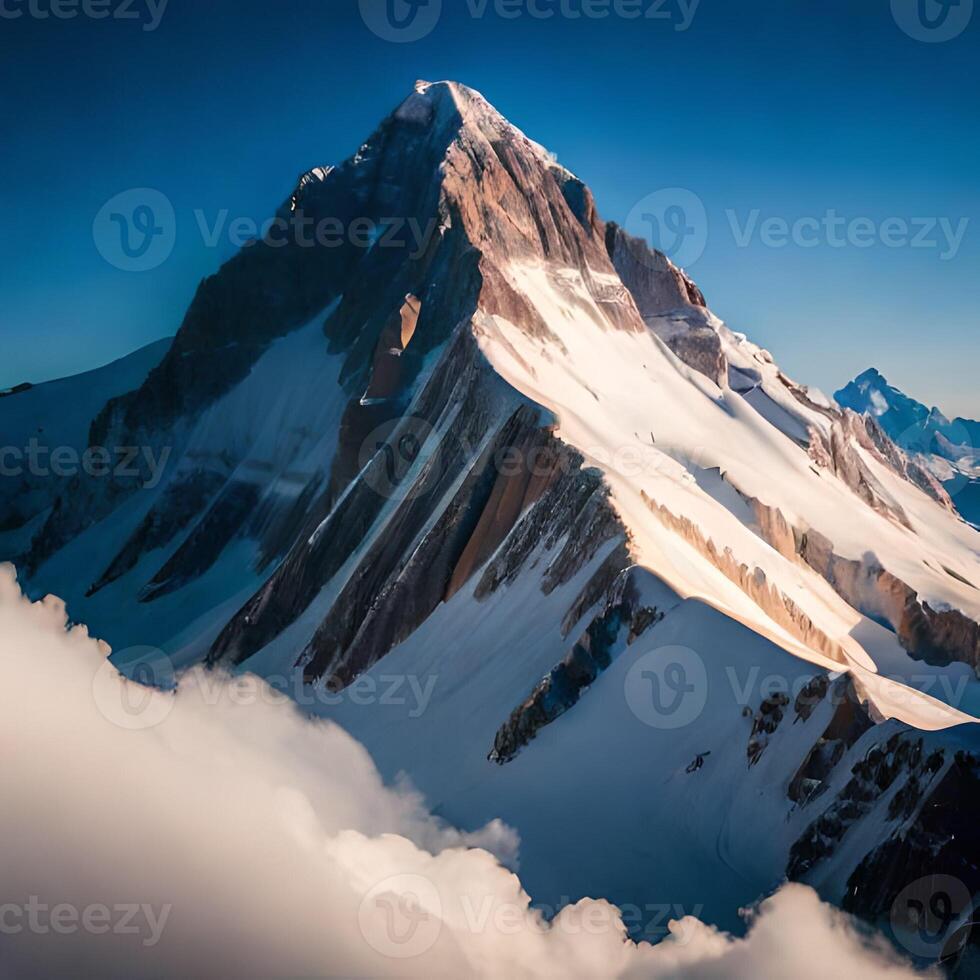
x,y
242,839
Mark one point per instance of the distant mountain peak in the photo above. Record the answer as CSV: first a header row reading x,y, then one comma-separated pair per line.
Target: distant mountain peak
x,y
948,448
872,375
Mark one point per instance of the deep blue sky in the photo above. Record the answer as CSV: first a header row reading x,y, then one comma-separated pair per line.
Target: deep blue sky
x,y
790,107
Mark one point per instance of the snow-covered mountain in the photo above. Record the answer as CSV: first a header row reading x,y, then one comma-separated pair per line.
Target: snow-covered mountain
x,y
515,507
949,449
57,415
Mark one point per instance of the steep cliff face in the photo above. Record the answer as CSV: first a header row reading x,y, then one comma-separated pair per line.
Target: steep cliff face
x,y
453,505
390,236
669,302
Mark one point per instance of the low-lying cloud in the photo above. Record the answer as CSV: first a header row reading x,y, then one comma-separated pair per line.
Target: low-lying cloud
x,y
239,838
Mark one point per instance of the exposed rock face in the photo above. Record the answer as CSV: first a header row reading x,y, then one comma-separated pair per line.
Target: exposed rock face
x,y
517,491
899,783
475,492
387,598
669,302
571,523
623,615
273,287
839,455
766,721
919,431
496,199
386,380
939,797
849,722
778,606
898,780
906,465
695,342
403,474
16,390
657,285
181,503
937,637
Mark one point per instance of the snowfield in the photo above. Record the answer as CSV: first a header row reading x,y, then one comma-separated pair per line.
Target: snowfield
x,y
662,432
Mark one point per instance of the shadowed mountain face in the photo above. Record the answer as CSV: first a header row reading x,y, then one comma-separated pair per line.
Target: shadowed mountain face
x,y
487,439
949,449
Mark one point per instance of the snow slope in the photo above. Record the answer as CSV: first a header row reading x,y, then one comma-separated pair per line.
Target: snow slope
x,y
56,415
653,425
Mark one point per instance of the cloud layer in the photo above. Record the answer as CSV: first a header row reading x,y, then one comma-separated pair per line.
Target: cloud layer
x,y
237,838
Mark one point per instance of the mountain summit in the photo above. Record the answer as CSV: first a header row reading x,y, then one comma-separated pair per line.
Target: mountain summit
x,y
486,447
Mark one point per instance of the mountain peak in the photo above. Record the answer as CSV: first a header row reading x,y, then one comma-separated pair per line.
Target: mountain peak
x,y
871,376
455,104
454,95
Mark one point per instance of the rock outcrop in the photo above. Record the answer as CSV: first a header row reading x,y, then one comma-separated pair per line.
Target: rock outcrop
x,y
670,303
623,619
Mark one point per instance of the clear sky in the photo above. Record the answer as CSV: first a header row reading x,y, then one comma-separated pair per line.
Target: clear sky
x,y
823,111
